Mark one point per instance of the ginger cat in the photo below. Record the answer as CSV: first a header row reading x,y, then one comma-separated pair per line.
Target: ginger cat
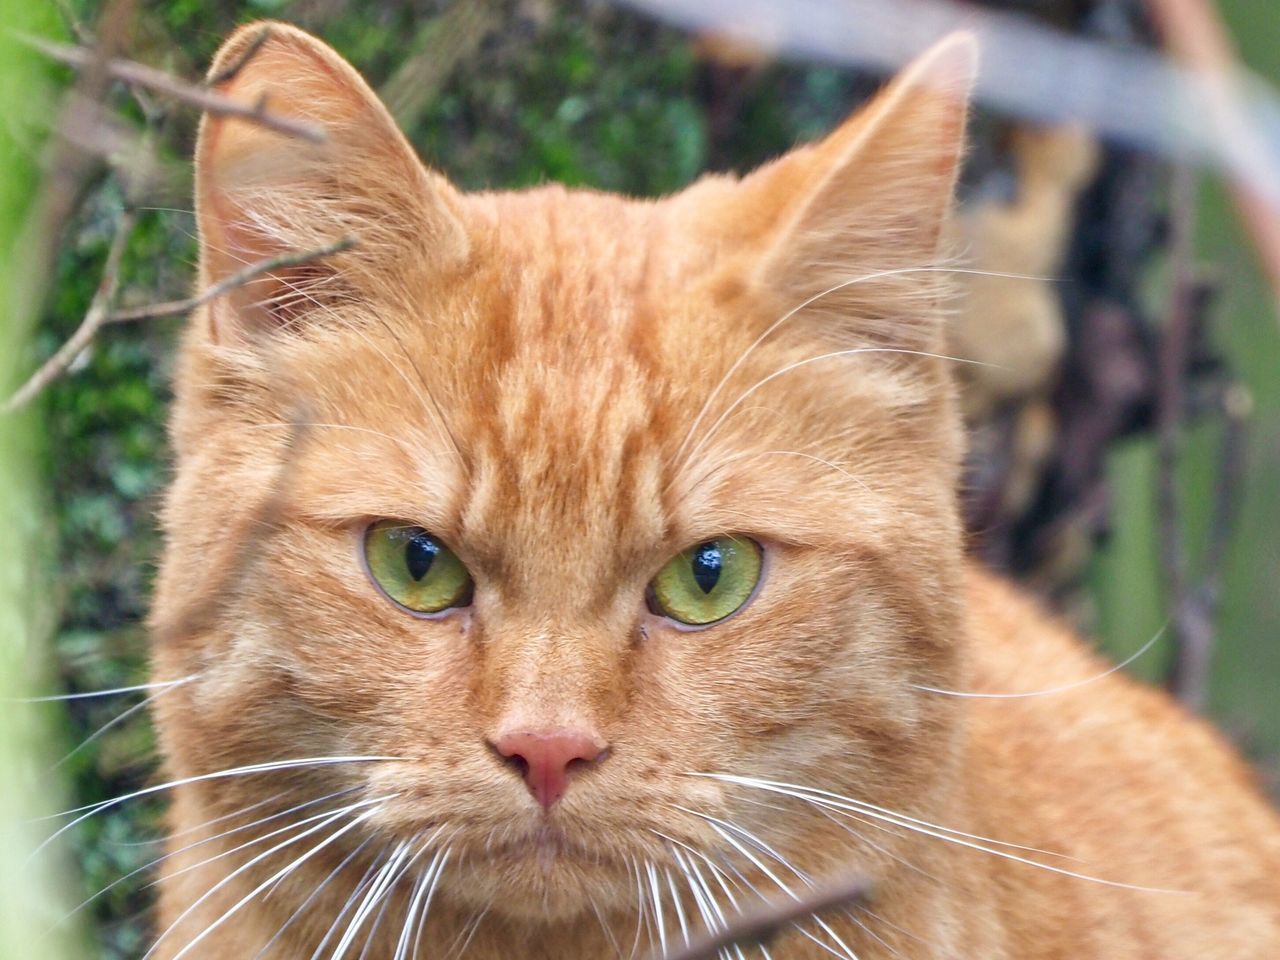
x,y
554,573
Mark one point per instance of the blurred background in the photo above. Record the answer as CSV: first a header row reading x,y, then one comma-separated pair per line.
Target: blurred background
x,y
1125,458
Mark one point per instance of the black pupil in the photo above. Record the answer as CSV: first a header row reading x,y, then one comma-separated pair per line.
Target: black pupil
x,y
419,553
707,559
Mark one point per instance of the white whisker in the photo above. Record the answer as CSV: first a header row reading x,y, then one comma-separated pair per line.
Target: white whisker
x,y
420,904
679,907
1050,691
802,793
656,899
254,768
834,354
199,843
302,907
381,886
357,891
852,281
115,691
284,871
956,837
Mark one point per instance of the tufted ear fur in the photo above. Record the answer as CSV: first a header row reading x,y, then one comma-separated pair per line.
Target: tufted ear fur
x,y
867,206
261,194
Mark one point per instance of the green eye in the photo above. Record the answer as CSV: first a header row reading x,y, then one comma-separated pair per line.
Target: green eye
x,y
414,568
707,582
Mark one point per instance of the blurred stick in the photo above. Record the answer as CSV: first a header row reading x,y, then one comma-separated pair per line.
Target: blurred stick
x,y
1191,626
1195,34
242,59
240,278
159,82
99,313
93,320
758,927
68,168
441,44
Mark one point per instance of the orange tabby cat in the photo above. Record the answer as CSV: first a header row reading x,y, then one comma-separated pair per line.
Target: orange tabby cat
x,y
553,574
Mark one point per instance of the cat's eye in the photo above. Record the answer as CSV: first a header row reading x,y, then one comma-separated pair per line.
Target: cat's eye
x,y
414,568
707,582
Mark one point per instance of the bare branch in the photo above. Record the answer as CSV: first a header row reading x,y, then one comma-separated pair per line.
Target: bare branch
x,y
93,320
99,313
157,81
68,168
238,279
758,927
235,66
1192,633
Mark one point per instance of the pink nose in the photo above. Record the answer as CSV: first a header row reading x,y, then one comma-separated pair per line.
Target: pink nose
x,y
545,758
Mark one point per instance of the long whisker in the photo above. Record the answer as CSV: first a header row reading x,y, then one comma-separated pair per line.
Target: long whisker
x,y
658,920
116,721
254,768
382,884
302,907
679,907
865,278
283,872
357,891
779,787
206,824
114,691
605,927
851,352
642,908
800,875
421,903
287,828
218,836
749,454
713,917
955,837
1050,691
464,939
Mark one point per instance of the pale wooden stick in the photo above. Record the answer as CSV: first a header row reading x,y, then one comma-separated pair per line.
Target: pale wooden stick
x,y
93,320
238,279
759,926
157,81
99,313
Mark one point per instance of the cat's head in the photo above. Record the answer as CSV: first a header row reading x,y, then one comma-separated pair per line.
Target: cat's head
x,y
564,500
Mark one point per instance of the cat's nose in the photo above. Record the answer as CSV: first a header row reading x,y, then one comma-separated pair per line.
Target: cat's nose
x,y
546,758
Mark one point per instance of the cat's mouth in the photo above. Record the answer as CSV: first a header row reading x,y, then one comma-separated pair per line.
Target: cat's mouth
x,y
549,846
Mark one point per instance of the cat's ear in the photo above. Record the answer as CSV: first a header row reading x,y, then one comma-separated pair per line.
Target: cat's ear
x,y
261,194
867,206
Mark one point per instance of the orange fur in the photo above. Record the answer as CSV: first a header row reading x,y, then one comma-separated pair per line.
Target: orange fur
x,y
533,377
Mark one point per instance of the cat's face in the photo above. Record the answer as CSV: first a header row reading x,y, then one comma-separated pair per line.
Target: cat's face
x,y
552,397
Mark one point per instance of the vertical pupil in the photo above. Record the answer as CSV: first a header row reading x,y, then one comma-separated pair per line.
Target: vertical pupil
x,y
419,553
706,565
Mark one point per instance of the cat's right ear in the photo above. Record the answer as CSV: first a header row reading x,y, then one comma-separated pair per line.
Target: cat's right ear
x,y
261,194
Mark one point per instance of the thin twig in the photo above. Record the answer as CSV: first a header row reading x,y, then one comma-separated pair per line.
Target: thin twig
x,y
99,313
760,926
1192,635
1236,404
230,71
157,81
94,318
238,279
69,168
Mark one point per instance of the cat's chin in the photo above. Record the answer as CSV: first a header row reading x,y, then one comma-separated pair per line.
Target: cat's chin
x,y
543,876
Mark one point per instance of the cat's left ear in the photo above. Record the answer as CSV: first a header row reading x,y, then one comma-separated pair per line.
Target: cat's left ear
x,y
866,207
261,194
